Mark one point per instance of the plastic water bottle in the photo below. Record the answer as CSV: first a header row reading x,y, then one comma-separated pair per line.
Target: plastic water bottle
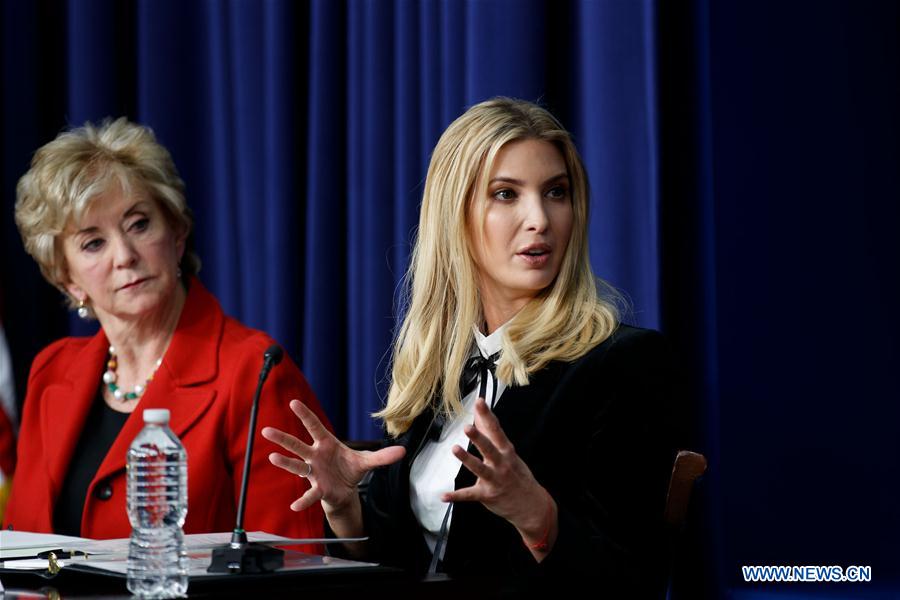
x,y
157,506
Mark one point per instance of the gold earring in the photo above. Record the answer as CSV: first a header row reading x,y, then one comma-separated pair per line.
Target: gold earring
x,y
83,311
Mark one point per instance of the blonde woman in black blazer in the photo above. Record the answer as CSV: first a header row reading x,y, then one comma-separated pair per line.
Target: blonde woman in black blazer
x,y
528,425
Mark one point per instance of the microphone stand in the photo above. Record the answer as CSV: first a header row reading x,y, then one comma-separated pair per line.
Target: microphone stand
x,y
240,555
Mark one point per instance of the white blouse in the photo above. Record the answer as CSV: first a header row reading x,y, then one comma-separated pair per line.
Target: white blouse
x,y
434,470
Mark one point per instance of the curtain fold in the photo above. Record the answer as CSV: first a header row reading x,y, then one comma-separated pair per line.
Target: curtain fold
x,y
616,132
325,325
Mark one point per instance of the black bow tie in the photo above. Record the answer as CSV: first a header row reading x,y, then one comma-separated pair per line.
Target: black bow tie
x,y
475,366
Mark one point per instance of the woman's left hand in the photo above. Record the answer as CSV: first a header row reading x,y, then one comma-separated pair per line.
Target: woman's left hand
x,y
505,484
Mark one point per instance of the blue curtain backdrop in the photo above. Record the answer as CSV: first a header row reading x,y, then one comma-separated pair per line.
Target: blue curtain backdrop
x,y
304,131
743,158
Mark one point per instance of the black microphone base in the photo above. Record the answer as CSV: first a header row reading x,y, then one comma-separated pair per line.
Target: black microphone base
x,y
246,558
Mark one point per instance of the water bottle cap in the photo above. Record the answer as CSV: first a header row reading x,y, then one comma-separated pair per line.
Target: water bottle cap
x,y
157,416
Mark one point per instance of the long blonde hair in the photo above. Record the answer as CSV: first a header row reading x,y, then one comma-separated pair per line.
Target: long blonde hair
x,y
563,322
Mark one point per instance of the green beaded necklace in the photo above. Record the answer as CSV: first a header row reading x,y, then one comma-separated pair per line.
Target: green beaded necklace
x,y
109,378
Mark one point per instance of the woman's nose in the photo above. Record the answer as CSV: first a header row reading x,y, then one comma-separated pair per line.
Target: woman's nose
x,y
124,252
536,218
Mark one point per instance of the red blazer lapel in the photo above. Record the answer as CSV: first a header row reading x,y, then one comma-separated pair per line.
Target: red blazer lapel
x,y
66,405
185,405
191,360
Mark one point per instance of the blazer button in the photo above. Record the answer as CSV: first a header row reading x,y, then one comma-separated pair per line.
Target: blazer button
x,y
103,491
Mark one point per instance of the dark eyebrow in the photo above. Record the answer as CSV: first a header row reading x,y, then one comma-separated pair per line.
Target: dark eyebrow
x,y
514,181
505,180
557,178
136,207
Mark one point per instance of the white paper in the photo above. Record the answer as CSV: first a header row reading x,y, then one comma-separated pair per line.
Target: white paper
x,y
203,541
198,561
14,544
22,544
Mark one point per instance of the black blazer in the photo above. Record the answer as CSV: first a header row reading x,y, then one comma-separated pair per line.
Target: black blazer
x,y
595,432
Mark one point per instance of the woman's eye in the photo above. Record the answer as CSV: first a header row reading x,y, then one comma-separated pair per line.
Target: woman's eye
x,y
504,194
92,245
557,191
140,224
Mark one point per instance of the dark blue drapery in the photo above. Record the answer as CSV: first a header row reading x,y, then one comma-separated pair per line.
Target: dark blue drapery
x,y
303,133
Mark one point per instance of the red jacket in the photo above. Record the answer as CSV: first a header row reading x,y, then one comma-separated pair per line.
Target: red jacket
x,y
7,446
207,380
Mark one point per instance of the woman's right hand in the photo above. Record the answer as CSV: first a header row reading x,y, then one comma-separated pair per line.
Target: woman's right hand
x,y
333,469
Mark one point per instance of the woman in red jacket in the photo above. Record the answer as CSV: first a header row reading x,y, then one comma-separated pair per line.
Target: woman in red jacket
x,y
102,211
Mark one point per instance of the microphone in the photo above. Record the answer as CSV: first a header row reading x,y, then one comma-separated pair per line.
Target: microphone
x,y
271,357
241,556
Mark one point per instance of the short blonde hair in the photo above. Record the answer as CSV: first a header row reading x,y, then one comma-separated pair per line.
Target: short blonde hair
x,y
69,173
563,322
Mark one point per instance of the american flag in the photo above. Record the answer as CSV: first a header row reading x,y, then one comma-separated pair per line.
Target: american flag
x,y
7,421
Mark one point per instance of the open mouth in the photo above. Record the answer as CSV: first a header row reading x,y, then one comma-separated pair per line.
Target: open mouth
x,y
536,255
538,249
